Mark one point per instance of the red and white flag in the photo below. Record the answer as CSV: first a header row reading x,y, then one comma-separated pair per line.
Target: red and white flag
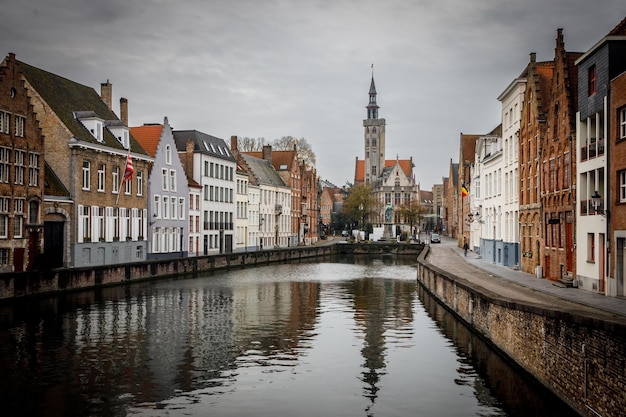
x,y
129,170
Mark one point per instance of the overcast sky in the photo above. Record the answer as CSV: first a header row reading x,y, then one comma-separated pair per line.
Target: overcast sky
x,y
272,68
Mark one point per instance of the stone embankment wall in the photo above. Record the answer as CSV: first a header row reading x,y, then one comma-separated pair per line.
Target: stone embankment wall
x,y
581,359
24,284
17,285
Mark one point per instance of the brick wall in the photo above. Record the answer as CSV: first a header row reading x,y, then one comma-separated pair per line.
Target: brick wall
x,y
581,359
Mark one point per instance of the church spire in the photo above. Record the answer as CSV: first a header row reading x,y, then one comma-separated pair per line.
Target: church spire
x,y
372,107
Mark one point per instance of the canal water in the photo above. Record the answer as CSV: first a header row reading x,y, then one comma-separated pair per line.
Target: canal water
x,y
345,337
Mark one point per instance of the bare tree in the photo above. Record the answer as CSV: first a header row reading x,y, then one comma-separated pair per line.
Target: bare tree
x,y
361,205
305,152
246,144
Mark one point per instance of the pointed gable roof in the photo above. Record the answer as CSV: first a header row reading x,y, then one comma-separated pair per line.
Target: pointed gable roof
x,y
148,136
70,100
263,171
405,164
619,30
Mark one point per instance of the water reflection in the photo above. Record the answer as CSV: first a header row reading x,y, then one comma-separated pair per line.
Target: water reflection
x,y
349,338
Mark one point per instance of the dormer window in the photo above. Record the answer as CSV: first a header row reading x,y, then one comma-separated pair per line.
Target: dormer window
x,y
98,133
120,131
92,122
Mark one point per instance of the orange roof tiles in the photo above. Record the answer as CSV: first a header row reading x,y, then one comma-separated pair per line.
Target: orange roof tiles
x,y
148,137
405,164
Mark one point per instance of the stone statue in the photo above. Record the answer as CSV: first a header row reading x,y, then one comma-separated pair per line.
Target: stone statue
x,y
388,213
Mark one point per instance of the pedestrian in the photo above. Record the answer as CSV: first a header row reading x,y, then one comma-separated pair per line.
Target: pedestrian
x,y
465,248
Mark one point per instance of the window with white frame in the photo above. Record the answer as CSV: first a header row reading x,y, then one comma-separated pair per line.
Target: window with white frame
x,y
166,206
622,186
173,207
622,123
156,208
115,178
98,221
5,118
164,179
86,175
140,183
84,214
172,180
33,169
127,224
101,177
5,164
19,166
4,216
181,208
19,126
129,187
168,155
4,256
156,237
18,217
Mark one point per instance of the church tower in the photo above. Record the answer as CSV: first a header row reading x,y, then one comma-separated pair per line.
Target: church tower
x,y
374,139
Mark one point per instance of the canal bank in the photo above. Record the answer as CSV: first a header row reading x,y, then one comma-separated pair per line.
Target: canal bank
x,y
572,342
35,283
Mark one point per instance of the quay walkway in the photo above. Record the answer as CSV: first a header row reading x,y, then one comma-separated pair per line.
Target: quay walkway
x,y
521,286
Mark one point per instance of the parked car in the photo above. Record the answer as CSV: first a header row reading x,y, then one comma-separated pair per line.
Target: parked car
x,y
435,238
345,233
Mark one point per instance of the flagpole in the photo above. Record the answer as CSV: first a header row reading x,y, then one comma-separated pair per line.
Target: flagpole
x,y
119,189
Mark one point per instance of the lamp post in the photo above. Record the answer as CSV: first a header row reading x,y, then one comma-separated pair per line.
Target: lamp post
x,y
596,202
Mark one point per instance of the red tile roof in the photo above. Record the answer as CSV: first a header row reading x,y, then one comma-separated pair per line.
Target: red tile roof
x,y
148,137
405,164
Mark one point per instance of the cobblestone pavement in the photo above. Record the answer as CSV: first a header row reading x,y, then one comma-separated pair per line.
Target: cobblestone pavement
x,y
520,286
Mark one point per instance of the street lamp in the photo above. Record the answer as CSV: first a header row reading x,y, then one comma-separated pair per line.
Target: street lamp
x,y
596,201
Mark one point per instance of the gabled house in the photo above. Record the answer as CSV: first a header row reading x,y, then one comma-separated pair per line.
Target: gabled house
x,y
467,151
168,193
94,157
21,174
292,172
533,127
213,167
270,200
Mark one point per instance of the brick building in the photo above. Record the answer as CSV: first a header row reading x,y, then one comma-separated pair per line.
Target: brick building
x,y
92,217
21,173
617,182
532,129
558,165
467,151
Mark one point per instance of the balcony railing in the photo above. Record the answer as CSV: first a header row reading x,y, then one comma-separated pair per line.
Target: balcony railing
x,y
587,209
593,149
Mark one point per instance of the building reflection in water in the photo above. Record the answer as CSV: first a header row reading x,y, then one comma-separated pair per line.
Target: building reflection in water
x,y
176,344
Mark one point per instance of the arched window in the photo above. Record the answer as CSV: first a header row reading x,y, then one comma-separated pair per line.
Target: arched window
x,y
168,155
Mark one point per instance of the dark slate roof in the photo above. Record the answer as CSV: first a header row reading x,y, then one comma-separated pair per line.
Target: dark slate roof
x,y
69,99
203,143
263,171
52,184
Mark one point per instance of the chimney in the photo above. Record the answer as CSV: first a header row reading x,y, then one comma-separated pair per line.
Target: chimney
x,y
533,57
106,93
189,158
233,144
124,110
267,153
